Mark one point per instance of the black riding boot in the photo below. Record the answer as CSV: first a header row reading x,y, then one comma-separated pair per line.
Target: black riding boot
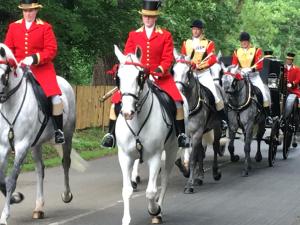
x,y
58,127
269,120
109,139
180,133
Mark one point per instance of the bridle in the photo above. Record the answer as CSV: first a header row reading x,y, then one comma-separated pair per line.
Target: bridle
x,y
189,72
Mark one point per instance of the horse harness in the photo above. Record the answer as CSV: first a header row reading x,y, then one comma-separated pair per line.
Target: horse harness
x,y
143,74
250,97
6,95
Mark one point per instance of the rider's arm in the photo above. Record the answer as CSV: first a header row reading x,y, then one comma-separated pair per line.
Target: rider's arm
x,y
167,53
9,40
48,46
258,62
183,49
130,45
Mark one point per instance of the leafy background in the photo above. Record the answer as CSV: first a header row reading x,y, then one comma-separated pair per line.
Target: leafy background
x,y
87,29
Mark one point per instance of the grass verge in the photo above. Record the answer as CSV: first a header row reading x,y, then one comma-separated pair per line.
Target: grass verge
x,y
85,142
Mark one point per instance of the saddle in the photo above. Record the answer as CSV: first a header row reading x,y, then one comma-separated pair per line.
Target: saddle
x,y
165,100
204,91
44,103
257,92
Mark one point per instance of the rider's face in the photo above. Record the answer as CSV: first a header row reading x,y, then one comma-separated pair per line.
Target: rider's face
x,y
196,32
289,61
245,44
149,21
29,14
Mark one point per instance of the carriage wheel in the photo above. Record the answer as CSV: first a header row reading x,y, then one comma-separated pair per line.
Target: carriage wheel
x,y
274,141
288,131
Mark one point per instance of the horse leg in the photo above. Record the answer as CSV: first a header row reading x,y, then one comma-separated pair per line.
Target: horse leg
x,y
3,165
154,164
182,161
216,146
233,157
247,149
196,140
126,164
11,182
38,212
67,195
259,136
135,178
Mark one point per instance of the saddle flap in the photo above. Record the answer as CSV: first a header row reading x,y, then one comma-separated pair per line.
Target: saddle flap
x,y
257,92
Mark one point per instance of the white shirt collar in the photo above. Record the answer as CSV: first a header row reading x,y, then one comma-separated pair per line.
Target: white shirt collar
x,y
28,25
149,31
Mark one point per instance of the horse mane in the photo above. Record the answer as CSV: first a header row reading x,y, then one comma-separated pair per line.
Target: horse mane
x,y
9,53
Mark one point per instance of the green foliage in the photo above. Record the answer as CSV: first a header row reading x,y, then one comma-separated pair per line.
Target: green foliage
x,y
87,30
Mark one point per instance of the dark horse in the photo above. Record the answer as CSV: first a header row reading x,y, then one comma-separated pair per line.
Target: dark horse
x,y
202,119
245,111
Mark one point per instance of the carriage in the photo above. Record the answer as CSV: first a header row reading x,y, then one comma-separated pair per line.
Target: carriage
x,y
284,109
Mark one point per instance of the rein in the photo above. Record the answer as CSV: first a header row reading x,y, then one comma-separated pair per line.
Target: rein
x,y
11,133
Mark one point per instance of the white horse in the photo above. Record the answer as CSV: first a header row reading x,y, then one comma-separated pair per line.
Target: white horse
x,y
20,121
142,132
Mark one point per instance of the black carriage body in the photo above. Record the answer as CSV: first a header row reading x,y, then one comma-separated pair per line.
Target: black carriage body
x,y
272,75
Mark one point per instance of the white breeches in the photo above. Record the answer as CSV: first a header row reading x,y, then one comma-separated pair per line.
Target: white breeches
x,y
257,82
205,78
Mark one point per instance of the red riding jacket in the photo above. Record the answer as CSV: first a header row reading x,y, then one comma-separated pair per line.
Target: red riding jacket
x,y
293,76
39,41
157,51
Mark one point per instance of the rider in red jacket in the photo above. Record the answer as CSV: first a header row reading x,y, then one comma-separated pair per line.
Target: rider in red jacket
x,y
292,74
157,48
34,44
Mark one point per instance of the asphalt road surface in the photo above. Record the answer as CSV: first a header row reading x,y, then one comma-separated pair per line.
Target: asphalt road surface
x,y
269,196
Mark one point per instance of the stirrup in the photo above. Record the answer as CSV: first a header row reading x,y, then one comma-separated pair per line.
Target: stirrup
x,y
108,141
269,121
224,125
182,141
59,137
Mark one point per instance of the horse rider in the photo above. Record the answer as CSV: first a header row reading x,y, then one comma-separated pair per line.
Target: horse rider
x,y
204,57
249,59
33,43
157,54
292,74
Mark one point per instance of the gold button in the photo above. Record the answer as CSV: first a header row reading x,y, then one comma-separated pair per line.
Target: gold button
x,y
147,55
148,59
148,42
26,52
26,38
148,64
26,42
148,46
26,47
26,34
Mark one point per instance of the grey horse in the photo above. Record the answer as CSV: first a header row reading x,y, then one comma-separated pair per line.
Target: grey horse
x,y
244,111
20,121
202,119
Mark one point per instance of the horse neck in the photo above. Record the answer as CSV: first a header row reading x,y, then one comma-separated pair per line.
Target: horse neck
x,y
241,97
14,102
193,95
145,99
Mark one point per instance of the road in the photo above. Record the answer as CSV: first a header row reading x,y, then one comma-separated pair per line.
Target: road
x,y
269,196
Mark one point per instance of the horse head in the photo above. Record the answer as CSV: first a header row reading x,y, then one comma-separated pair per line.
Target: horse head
x,y
132,76
7,66
231,79
183,72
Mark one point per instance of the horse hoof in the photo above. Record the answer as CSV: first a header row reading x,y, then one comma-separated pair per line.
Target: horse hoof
x,y
38,215
134,186
16,198
156,220
186,173
138,179
67,198
188,190
258,158
198,182
155,214
221,151
235,158
245,173
218,176
294,145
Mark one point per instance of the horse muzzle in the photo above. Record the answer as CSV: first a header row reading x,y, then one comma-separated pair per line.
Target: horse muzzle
x,y
128,115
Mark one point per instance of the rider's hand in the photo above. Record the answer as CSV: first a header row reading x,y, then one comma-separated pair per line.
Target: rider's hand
x,y
246,70
28,61
157,73
289,85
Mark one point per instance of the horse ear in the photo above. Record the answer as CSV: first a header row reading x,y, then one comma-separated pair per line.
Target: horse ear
x,y
121,57
2,52
219,55
138,53
175,53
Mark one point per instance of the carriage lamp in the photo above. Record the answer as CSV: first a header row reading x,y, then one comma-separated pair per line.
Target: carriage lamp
x,y
273,81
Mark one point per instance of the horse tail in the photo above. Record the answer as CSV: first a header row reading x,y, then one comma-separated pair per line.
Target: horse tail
x,y
77,162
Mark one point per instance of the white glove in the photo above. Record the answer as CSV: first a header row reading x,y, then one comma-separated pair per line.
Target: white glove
x,y
289,85
246,70
28,61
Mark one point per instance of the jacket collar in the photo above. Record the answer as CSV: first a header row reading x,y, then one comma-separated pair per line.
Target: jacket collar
x,y
157,30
